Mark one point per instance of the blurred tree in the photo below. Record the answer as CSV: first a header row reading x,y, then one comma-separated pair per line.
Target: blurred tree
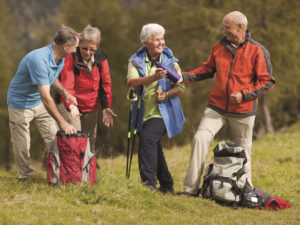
x,y
9,48
276,25
37,21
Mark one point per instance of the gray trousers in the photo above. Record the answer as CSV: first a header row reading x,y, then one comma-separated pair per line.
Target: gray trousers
x,y
211,123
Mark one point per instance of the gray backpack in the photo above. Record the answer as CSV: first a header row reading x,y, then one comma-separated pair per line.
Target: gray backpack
x,y
225,179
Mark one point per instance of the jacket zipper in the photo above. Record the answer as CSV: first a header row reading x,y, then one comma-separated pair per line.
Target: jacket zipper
x,y
227,87
84,67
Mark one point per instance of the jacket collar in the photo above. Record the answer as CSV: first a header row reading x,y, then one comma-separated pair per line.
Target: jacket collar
x,y
166,50
227,44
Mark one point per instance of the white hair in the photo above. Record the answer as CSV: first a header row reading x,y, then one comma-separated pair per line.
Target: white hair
x,y
238,18
92,34
149,30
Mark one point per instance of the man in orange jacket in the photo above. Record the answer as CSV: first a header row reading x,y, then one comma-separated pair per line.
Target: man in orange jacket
x,y
243,72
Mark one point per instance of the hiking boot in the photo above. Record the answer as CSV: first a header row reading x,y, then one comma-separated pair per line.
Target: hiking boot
x,y
187,194
22,180
151,188
167,190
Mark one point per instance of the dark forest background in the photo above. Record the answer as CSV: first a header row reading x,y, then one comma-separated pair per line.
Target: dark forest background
x,y
192,27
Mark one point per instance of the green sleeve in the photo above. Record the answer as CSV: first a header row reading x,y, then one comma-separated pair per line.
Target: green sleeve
x,y
132,71
180,86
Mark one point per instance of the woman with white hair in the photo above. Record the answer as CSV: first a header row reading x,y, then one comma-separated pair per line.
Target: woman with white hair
x,y
160,111
86,75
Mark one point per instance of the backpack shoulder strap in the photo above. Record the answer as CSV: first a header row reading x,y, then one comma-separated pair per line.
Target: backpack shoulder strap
x,y
75,68
86,163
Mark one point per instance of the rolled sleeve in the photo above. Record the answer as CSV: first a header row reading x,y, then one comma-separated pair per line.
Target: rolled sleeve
x,y
181,86
132,71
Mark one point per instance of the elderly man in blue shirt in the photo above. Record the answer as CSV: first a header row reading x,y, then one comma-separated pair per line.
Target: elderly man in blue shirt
x,y
29,98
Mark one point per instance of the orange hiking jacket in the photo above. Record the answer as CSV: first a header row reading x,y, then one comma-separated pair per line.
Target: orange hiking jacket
x,y
246,69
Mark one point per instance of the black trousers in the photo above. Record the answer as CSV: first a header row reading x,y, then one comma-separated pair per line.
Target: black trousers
x,y
152,163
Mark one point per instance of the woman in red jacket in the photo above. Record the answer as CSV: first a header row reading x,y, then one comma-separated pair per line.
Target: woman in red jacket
x,y
86,76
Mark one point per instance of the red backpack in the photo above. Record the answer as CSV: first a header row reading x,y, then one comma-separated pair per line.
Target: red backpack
x,y
71,160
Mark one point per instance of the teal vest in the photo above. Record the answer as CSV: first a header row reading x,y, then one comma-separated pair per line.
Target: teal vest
x,y
170,109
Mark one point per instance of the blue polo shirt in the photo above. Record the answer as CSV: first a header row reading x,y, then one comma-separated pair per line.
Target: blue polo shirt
x,y
38,67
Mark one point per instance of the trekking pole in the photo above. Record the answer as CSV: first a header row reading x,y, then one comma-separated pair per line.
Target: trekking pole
x,y
128,140
131,97
134,133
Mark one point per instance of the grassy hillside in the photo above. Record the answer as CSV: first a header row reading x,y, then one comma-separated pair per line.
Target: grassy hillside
x,y
115,200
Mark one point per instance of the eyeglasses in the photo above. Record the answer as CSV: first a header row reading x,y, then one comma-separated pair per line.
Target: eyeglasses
x,y
86,49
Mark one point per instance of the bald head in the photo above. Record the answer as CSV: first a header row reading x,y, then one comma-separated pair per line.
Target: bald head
x,y
234,27
237,18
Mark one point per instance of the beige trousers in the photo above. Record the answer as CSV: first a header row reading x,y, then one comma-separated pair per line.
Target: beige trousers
x,y
87,122
211,123
19,123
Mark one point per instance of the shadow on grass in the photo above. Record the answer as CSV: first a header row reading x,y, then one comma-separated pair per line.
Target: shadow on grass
x,y
13,178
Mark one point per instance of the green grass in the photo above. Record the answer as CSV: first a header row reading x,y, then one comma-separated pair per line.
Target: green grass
x,y
116,200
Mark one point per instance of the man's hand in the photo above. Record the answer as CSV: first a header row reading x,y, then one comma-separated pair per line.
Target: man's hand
x,y
107,117
236,97
67,128
75,114
52,109
69,98
58,87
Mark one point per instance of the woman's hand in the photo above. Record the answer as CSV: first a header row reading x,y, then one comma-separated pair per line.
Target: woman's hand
x,y
107,117
160,73
180,74
75,114
161,97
